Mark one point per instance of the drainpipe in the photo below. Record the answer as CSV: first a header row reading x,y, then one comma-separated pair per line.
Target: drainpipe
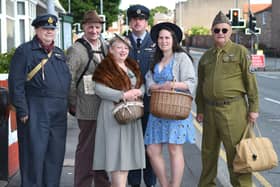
x,y
50,5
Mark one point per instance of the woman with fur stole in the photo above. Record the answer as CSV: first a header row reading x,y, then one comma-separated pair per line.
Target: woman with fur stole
x,y
118,148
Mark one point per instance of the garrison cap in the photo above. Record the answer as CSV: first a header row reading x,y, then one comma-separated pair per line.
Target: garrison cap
x,y
220,18
46,21
138,11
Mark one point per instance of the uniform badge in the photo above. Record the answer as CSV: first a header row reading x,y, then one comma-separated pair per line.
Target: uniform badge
x,y
50,20
138,11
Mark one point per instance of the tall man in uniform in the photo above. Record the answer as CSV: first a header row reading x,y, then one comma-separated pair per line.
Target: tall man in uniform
x,y
142,51
39,82
227,100
82,100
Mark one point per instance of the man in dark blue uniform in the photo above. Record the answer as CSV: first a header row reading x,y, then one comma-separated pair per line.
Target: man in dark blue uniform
x,y
39,81
142,51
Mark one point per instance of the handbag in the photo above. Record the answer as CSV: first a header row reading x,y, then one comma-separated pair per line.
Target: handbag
x,y
254,153
127,111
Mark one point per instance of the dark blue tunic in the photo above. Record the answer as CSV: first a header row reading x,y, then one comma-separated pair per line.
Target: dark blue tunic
x,y
42,139
144,56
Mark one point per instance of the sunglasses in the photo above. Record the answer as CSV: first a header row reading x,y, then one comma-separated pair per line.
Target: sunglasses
x,y
217,31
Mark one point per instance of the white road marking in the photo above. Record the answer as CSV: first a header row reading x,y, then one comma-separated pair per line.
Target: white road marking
x,y
272,100
268,76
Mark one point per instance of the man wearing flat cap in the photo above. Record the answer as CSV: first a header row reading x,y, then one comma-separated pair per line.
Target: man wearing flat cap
x,y
227,101
39,82
142,51
82,58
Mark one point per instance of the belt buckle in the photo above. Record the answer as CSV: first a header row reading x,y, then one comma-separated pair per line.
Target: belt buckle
x,y
226,102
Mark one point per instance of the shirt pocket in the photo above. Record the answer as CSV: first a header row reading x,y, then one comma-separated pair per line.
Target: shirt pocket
x,y
230,65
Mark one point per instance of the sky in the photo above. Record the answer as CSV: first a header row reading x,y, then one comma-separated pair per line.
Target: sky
x,y
167,3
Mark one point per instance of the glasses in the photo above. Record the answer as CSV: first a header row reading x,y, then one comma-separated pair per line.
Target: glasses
x,y
217,31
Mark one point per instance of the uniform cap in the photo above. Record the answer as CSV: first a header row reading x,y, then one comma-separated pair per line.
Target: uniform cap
x,y
138,11
168,26
92,17
46,21
220,18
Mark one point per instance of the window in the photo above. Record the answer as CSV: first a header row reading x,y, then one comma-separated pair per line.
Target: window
x,y
264,18
10,34
20,8
21,31
10,8
0,36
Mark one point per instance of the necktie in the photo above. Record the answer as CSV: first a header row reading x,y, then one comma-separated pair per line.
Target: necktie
x,y
138,42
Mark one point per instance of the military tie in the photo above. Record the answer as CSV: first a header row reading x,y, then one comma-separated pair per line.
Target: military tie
x,y
138,42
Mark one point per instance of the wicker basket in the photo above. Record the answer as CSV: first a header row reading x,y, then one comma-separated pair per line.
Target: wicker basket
x,y
170,104
128,111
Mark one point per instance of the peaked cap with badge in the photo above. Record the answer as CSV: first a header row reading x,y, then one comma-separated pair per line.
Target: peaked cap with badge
x,y
46,21
220,18
138,11
92,17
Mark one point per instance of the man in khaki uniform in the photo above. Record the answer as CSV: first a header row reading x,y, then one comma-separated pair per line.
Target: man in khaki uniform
x,y
227,100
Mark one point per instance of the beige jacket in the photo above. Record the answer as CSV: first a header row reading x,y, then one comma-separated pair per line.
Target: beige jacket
x,y
86,105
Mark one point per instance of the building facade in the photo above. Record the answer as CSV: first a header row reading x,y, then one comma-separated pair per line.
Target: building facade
x,y
15,21
275,24
202,12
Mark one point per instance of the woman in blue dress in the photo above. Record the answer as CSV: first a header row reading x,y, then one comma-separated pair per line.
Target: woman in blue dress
x,y
171,62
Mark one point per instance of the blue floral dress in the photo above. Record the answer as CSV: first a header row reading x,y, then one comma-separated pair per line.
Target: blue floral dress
x,y
160,130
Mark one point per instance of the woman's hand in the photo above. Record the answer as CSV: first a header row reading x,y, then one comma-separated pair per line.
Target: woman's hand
x,y
132,94
168,85
199,117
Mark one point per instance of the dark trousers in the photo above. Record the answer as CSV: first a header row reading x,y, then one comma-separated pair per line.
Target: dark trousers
x,y
42,142
84,173
135,176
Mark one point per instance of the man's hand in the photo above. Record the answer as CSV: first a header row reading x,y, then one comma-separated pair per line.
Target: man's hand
x,y
24,119
72,110
199,117
252,117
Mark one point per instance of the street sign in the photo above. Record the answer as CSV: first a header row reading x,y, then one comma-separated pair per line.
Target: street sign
x,y
258,61
249,31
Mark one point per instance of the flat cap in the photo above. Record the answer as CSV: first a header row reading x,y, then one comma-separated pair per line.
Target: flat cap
x,y
92,17
46,21
220,18
167,26
138,11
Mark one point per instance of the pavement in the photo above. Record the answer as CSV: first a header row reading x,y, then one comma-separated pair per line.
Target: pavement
x,y
191,153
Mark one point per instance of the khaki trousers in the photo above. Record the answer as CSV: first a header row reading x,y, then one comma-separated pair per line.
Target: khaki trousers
x,y
226,124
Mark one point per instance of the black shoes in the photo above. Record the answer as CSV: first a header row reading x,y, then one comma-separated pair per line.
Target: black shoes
x,y
138,185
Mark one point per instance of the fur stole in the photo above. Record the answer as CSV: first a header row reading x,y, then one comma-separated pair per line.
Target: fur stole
x,y
109,73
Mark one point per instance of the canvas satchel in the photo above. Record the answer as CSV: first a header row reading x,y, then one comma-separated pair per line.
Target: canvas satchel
x,y
254,153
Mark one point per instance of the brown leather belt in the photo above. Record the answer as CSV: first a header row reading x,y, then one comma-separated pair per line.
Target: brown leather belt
x,y
223,102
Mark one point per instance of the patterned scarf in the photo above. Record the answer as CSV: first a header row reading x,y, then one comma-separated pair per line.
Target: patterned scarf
x,y
48,48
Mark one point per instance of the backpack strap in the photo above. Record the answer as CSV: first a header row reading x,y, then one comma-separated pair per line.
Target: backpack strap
x,y
90,56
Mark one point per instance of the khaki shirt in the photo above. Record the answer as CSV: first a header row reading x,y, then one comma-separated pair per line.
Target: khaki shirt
x,y
225,73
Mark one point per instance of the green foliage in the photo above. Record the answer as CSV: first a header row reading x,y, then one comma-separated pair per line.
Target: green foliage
x,y
198,30
5,60
79,7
